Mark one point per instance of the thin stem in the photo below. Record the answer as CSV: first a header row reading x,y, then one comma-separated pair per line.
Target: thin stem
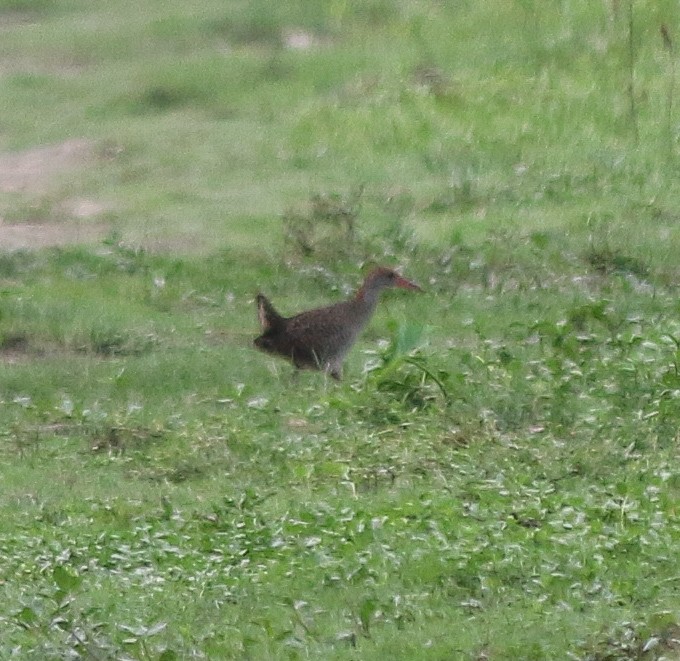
x,y
668,44
431,375
631,74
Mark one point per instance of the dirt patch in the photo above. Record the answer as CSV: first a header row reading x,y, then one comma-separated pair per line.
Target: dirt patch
x,y
296,39
32,170
43,235
82,208
30,173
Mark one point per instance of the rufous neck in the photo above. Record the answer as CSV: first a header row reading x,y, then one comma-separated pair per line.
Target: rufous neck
x,y
368,295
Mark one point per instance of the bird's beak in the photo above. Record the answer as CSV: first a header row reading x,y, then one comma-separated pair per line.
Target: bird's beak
x,y
406,284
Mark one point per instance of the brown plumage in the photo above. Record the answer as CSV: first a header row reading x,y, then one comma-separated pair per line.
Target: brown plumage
x,y
320,338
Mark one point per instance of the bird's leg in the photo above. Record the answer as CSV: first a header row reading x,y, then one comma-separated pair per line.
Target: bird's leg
x,y
317,362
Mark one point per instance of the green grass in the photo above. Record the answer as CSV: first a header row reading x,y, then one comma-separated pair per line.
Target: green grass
x,y
495,478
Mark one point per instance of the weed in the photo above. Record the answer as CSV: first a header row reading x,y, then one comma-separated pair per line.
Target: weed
x,y
608,261
327,229
14,342
56,626
109,340
14,263
404,373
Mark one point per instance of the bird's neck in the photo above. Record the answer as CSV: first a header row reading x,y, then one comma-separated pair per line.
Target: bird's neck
x,y
368,296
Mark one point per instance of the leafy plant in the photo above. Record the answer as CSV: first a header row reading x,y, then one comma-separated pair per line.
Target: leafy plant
x,y
57,626
402,371
327,228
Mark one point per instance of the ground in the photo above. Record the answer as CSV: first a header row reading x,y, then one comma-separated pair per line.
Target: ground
x,y
31,173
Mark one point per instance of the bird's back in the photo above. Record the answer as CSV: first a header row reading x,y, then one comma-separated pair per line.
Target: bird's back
x,y
329,332
315,338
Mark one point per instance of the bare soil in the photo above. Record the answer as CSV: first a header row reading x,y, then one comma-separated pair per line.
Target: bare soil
x,y
31,172
43,235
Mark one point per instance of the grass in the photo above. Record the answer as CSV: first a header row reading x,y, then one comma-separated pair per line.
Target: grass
x,y
495,478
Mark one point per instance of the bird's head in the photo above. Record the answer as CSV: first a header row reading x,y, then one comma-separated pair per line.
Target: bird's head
x,y
383,277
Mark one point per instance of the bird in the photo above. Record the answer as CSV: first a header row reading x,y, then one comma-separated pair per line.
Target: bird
x,y
321,338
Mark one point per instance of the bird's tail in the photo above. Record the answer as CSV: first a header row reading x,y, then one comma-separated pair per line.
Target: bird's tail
x,y
268,316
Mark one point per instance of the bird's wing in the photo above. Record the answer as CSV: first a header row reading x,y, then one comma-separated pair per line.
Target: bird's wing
x,y
321,329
